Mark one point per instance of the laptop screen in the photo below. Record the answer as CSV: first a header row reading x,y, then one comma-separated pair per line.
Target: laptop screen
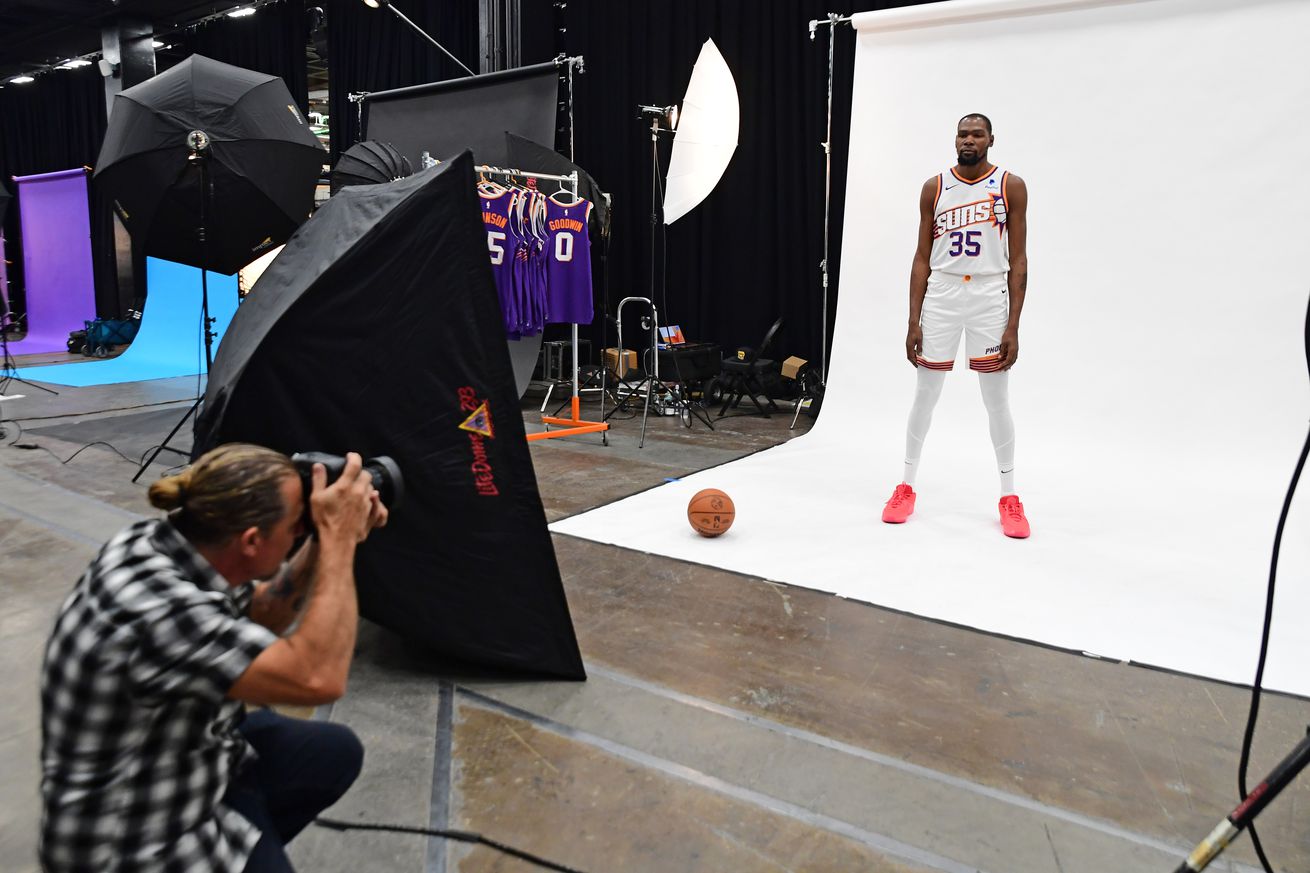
x,y
672,335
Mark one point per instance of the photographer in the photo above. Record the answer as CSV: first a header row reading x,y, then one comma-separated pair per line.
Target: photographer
x,y
149,761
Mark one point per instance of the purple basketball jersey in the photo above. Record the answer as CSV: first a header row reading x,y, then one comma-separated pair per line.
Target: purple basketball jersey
x,y
528,289
501,245
568,263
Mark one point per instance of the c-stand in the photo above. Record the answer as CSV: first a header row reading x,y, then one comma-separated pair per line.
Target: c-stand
x,y
671,395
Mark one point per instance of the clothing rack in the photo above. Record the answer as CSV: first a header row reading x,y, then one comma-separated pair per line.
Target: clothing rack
x,y
575,425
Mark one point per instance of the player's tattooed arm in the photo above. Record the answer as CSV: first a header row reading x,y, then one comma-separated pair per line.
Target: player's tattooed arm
x,y
1016,205
920,270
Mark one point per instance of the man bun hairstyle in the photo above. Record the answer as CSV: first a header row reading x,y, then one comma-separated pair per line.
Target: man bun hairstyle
x,y
227,490
987,121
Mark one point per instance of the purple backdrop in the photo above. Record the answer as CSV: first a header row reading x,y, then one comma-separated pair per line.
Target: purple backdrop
x,y
60,287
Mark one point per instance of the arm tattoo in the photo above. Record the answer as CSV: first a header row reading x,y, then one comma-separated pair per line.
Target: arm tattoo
x,y
1023,281
284,587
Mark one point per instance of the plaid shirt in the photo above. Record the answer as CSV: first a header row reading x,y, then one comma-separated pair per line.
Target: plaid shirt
x,y
139,741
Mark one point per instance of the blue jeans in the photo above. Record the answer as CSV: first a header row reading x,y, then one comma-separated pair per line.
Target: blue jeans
x,y
302,769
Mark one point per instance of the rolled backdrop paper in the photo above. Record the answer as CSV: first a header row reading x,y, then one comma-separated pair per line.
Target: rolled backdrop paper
x,y
169,342
1160,396
59,283
445,118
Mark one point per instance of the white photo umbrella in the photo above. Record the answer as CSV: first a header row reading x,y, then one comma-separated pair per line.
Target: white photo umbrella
x,y
706,136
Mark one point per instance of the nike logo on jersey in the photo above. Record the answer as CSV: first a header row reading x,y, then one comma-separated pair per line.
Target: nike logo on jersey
x,y
949,187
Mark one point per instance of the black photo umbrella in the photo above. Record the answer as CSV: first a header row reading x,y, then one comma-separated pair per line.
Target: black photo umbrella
x,y
368,163
524,154
378,330
261,159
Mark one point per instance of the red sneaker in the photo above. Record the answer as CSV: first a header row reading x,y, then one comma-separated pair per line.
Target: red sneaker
x,y
900,506
1013,522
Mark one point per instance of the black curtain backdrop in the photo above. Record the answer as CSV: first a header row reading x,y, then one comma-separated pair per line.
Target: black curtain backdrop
x,y
751,251
57,123
373,50
272,41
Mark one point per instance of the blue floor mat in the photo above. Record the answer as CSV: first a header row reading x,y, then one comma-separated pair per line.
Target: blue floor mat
x,y
169,343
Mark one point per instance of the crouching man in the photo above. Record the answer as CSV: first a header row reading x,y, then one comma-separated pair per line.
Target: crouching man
x,y
149,759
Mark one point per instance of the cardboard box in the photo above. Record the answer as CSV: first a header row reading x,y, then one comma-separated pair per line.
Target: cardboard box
x,y
791,367
619,362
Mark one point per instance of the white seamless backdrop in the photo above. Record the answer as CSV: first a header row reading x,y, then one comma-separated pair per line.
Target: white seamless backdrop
x,y
1161,394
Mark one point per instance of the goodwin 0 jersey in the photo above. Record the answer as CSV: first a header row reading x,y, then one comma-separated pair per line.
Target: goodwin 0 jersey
x,y
968,234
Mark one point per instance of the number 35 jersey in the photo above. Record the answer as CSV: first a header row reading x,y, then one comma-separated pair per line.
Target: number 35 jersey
x,y
969,225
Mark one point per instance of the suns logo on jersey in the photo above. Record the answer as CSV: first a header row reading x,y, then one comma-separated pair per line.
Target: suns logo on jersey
x,y
987,211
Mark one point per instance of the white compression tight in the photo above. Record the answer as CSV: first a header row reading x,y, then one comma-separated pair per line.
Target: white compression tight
x,y
996,398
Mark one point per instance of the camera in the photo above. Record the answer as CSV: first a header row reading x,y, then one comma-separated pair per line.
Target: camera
x,y
385,472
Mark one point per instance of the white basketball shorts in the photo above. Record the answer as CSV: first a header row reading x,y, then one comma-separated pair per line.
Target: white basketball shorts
x,y
978,307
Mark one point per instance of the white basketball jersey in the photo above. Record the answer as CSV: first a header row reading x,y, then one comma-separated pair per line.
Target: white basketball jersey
x,y
968,234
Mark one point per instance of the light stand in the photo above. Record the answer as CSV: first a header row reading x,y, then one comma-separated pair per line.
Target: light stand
x,y
7,363
661,118
198,142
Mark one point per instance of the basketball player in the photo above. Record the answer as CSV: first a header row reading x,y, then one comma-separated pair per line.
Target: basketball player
x,y
970,275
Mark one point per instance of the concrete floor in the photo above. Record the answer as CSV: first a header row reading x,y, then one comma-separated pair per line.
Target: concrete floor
x,y
729,723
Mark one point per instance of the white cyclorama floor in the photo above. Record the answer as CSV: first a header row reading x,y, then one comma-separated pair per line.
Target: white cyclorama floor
x,y
1161,395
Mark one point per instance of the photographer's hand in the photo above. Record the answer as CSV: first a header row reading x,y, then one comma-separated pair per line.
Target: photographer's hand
x,y
347,508
378,512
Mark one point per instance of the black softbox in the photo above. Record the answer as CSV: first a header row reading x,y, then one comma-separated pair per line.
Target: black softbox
x,y
378,330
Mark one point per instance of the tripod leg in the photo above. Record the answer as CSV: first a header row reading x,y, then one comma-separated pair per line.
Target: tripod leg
x,y
645,411
33,385
164,445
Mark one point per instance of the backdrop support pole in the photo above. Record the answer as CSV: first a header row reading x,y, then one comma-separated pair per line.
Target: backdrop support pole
x,y
832,21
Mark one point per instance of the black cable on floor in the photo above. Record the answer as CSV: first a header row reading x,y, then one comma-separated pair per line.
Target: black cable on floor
x,y
33,446
1248,736
461,836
